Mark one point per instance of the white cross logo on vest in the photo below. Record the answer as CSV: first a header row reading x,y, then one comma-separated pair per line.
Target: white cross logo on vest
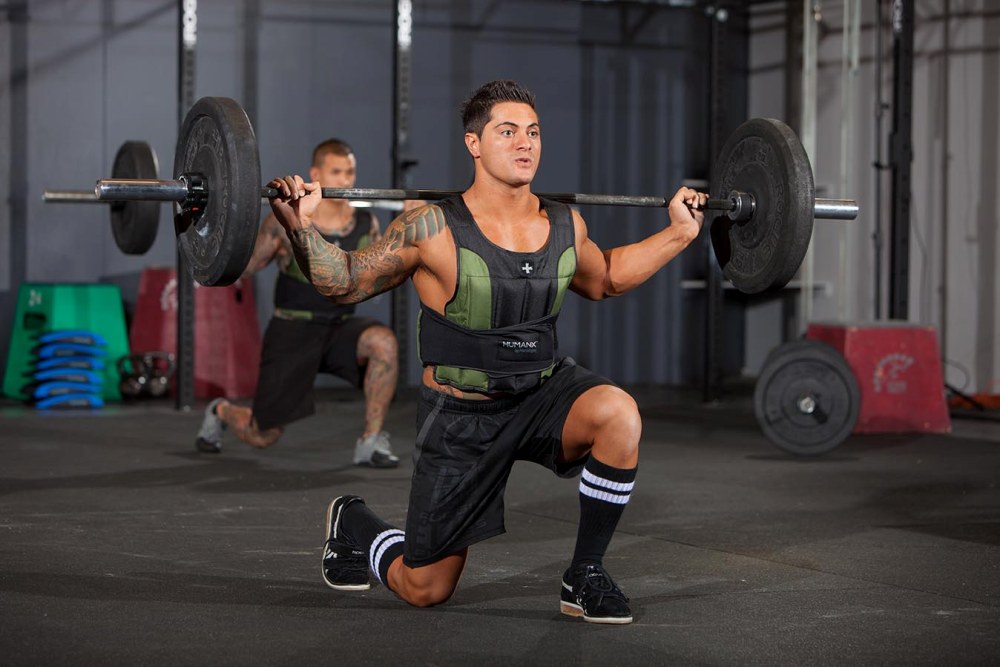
x,y
527,268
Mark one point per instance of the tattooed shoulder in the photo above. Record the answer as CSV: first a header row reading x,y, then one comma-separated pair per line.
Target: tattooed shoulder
x,y
415,226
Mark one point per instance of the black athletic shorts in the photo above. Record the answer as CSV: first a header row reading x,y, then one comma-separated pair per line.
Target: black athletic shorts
x,y
465,450
292,353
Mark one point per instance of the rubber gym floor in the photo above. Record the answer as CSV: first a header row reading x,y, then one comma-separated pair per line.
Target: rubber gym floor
x,y
119,544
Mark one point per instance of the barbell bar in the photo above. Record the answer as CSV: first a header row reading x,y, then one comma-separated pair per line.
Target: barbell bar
x,y
91,196
761,185
738,206
70,197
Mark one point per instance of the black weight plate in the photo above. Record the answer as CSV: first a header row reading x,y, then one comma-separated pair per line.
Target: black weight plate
x,y
135,223
217,141
781,349
814,371
765,158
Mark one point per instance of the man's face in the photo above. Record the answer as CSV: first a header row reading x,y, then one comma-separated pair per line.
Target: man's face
x,y
511,144
335,171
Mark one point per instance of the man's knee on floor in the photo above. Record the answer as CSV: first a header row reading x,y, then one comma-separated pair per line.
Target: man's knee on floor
x,y
429,595
426,586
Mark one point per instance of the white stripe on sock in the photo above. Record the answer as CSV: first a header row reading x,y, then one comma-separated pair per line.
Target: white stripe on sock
x,y
607,483
375,544
383,541
616,498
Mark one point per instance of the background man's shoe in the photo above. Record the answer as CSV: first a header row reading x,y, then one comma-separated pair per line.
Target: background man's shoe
x,y
209,438
375,451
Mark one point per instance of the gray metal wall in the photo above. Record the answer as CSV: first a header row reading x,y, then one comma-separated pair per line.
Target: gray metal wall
x,y
956,176
622,93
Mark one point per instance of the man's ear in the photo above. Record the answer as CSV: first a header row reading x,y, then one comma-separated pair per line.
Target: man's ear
x,y
472,143
314,173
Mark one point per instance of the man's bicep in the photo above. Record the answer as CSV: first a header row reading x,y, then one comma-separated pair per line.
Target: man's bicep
x,y
380,267
392,259
591,271
591,264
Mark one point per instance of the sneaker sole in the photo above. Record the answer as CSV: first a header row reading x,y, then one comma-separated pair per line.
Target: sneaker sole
x,y
337,587
576,611
208,447
370,464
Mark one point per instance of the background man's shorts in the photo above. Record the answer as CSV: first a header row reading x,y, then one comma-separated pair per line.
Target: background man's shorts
x,y
292,353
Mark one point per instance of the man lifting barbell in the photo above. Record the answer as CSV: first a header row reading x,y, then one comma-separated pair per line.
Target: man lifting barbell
x,y
491,268
308,334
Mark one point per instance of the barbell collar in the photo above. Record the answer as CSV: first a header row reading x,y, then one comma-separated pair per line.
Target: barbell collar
x,y
741,206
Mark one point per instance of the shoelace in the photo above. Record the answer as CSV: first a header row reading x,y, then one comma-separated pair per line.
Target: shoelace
x,y
597,582
335,552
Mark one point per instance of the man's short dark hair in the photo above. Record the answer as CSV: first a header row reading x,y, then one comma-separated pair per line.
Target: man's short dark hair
x,y
335,146
477,109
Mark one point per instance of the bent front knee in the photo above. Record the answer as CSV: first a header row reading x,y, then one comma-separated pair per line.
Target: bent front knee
x,y
616,411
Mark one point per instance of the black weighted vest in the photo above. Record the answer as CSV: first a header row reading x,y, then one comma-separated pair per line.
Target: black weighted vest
x,y
498,332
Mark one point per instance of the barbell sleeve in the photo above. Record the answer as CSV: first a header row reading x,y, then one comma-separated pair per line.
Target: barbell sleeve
x,y
836,209
134,189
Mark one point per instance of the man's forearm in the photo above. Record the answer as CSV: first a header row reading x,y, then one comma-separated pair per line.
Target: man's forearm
x,y
632,265
326,266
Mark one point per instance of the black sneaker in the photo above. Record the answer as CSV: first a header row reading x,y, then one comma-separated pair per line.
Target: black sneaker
x,y
345,566
589,591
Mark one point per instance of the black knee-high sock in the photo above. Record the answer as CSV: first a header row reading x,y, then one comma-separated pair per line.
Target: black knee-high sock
x,y
604,491
382,540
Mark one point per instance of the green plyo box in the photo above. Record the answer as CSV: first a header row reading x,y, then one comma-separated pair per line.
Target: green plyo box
x,y
43,307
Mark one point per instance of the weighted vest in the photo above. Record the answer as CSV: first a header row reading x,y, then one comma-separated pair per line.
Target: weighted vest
x,y
498,332
296,298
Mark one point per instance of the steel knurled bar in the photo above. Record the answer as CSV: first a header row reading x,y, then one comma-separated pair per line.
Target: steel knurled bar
x,y
176,190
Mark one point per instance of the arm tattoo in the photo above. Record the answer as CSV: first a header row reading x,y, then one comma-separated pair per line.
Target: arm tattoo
x,y
417,225
324,264
349,277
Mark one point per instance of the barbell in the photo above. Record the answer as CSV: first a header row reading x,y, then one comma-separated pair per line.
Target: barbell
x,y
761,186
134,223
